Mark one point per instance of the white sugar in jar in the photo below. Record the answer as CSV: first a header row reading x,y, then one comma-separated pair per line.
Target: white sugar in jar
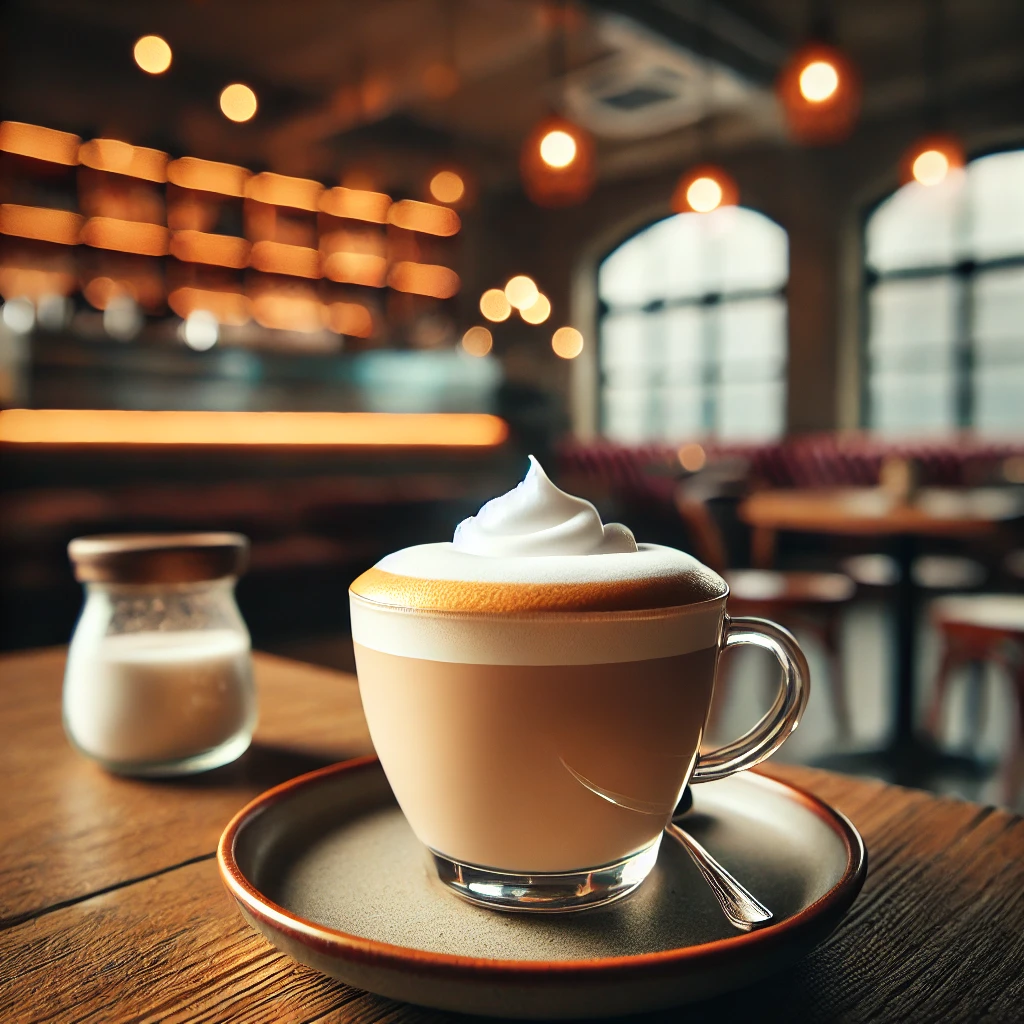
x,y
159,672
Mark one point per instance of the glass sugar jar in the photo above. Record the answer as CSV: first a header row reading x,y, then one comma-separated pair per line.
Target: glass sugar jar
x,y
159,672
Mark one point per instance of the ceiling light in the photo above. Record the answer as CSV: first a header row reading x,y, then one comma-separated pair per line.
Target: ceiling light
x,y
818,81
704,189
557,163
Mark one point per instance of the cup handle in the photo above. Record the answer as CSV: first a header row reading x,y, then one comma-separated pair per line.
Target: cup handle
x,y
784,715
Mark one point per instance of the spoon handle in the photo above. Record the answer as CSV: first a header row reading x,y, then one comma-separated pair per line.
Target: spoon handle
x,y
743,911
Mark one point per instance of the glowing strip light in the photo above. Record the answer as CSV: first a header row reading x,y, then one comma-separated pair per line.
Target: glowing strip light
x,y
58,226
126,236
39,143
282,258
424,217
281,190
208,176
356,204
118,157
329,429
216,250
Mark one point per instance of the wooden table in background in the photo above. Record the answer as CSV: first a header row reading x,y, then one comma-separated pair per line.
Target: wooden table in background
x,y
111,909
871,512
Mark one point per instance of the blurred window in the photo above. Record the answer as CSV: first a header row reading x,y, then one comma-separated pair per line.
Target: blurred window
x,y
945,303
693,329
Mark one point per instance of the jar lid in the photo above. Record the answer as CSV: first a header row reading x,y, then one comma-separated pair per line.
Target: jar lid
x,y
158,557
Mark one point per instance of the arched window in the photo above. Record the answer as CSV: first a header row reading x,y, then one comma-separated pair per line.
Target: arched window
x,y
693,329
945,289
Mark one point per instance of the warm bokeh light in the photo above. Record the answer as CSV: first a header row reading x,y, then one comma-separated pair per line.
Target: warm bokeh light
x,y
692,457
440,80
283,190
477,341
238,102
152,54
281,258
931,160
557,163
704,189
356,268
130,427
356,204
494,305
231,308
285,312
350,318
200,330
567,342
538,312
58,226
558,149
424,217
704,195
930,167
24,282
215,250
117,157
39,143
126,236
424,279
819,89
521,291
818,81
208,176
447,187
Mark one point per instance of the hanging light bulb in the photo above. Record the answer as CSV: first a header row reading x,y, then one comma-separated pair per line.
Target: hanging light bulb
x,y
557,163
557,159
820,94
931,160
704,189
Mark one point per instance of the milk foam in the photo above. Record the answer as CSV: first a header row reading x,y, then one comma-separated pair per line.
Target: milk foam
x,y
538,518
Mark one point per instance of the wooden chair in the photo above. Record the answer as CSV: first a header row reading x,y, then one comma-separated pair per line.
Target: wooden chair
x,y
808,601
980,629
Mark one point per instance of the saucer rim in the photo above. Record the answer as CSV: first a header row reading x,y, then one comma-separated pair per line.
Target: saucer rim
x,y
340,945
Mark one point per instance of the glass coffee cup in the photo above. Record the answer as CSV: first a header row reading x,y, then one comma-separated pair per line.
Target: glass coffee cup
x,y
537,692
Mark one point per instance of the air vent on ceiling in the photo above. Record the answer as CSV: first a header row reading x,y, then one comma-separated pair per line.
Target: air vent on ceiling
x,y
647,86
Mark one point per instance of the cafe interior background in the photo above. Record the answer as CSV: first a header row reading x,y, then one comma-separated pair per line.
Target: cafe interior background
x,y
326,272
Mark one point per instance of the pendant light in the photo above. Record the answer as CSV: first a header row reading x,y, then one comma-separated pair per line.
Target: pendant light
x,y
557,161
930,159
819,87
707,186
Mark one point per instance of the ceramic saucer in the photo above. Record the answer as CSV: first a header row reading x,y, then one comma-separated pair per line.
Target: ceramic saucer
x,y
327,869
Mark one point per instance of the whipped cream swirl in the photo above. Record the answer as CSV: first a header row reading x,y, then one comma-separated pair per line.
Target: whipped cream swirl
x,y
537,518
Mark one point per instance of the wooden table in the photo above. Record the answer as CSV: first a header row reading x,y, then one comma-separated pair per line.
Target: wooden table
x,y
871,512
111,909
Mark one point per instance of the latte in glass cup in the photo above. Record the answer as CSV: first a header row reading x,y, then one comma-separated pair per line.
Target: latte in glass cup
x,y
537,691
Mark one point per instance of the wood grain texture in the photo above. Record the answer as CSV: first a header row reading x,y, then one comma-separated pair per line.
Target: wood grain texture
x,y
936,935
68,828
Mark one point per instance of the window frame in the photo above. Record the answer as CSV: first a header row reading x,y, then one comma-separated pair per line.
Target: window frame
x,y
963,272
710,377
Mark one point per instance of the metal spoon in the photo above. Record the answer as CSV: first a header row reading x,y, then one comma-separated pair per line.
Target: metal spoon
x,y
743,910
